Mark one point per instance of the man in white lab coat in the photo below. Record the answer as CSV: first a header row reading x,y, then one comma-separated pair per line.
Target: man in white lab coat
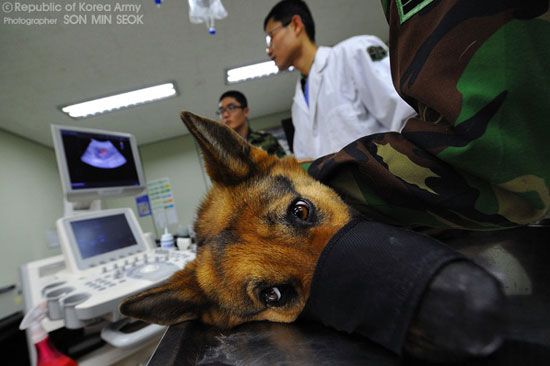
x,y
345,91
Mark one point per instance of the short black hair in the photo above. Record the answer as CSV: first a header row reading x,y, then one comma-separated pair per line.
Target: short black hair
x,y
237,95
284,10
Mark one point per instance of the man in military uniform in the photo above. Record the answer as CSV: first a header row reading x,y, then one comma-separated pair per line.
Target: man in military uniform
x,y
233,111
476,155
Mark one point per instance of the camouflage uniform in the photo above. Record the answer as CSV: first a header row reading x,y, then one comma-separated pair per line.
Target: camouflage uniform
x,y
477,155
266,142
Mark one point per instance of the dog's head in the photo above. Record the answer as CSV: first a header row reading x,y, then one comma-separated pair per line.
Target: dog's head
x,y
260,231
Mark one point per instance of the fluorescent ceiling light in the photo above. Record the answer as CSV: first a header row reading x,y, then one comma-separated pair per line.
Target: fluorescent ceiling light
x,y
254,71
122,100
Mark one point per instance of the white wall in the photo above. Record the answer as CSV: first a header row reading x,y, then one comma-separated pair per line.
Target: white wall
x,y
30,201
31,197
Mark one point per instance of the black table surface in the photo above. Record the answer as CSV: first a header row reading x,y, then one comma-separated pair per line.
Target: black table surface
x,y
519,257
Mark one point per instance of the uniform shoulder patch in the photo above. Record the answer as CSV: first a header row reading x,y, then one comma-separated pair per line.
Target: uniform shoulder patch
x,y
377,53
408,8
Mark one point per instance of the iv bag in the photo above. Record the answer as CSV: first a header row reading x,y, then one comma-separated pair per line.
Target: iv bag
x,y
205,11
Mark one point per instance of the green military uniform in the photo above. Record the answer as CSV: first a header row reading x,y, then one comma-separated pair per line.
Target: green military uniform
x,y
477,155
266,142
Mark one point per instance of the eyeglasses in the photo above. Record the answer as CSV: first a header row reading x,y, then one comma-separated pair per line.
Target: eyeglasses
x,y
269,35
230,108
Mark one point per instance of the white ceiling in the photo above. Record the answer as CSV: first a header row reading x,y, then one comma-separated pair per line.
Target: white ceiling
x,y
44,67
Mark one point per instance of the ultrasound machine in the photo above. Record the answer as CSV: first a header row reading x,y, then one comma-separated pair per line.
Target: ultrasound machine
x,y
106,256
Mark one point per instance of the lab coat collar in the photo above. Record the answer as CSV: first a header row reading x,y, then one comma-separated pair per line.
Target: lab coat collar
x,y
321,58
315,81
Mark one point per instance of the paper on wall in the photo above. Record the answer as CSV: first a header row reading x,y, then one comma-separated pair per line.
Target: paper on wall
x,y
162,203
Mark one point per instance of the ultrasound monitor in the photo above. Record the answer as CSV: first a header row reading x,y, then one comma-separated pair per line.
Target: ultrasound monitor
x,y
99,237
102,235
94,164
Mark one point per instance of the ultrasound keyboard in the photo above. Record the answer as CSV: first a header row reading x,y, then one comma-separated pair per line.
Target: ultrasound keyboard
x,y
97,292
106,258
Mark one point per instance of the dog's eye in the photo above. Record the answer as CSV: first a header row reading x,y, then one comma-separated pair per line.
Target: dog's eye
x,y
276,296
301,213
301,210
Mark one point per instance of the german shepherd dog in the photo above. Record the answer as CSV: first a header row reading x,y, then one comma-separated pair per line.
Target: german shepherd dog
x,y
260,231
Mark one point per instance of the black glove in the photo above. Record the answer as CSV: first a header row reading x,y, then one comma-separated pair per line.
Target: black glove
x,y
405,291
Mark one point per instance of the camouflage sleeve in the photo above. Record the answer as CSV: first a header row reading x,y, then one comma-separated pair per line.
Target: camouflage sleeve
x,y
274,148
477,154
266,142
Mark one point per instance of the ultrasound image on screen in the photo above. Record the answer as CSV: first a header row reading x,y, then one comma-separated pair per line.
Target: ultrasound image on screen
x,y
102,235
97,160
103,154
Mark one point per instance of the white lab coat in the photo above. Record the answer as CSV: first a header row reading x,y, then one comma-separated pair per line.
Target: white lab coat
x,y
350,96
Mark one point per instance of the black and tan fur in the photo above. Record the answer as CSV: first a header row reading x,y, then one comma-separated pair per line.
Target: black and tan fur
x,y
262,226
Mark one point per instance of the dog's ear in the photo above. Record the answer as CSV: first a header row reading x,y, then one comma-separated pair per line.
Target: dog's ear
x,y
229,158
177,300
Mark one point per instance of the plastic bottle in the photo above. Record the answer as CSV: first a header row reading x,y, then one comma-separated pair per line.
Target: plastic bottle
x,y
166,240
46,353
206,11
